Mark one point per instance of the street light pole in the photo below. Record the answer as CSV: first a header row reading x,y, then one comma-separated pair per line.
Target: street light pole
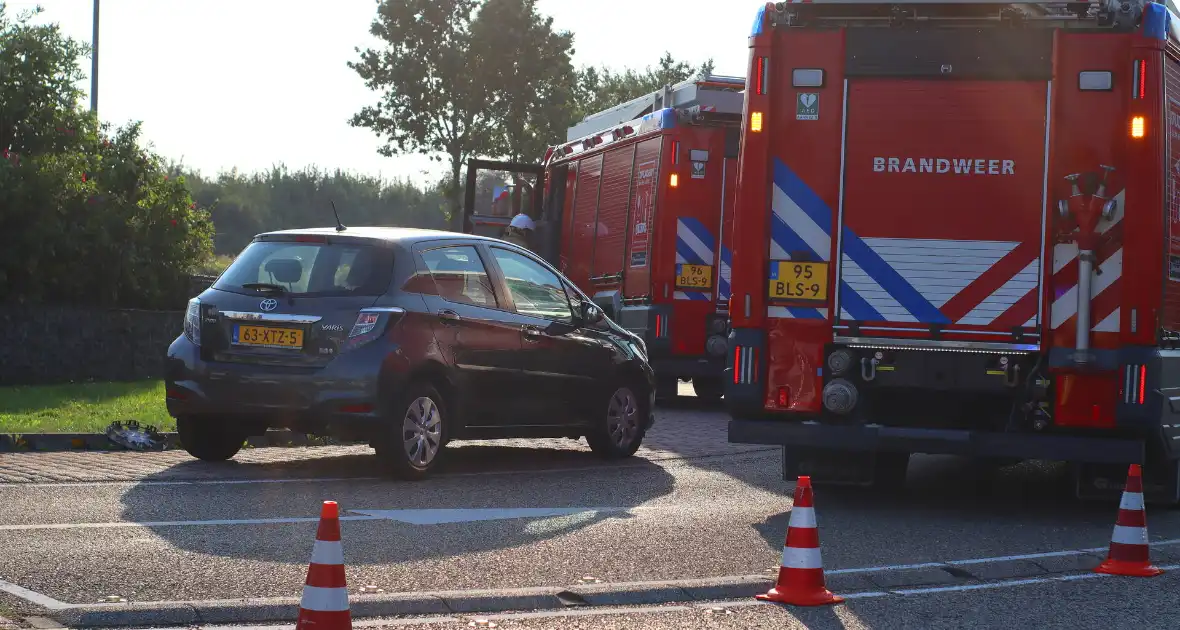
x,y
94,63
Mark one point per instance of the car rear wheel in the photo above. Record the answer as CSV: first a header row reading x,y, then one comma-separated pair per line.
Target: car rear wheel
x,y
209,439
619,431
416,434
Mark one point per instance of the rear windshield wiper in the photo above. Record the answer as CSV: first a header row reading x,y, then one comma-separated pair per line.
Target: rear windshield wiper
x,y
265,286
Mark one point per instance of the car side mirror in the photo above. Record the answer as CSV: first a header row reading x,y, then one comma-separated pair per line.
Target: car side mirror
x,y
591,314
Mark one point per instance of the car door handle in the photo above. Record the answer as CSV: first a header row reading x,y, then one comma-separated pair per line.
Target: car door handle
x,y
532,334
449,317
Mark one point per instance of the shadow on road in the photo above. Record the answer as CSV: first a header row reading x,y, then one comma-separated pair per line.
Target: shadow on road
x,y
387,541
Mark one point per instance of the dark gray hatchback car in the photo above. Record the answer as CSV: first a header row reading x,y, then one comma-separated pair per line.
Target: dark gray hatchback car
x,y
406,339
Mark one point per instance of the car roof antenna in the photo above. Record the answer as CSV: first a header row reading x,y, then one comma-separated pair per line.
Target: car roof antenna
x,y
339,226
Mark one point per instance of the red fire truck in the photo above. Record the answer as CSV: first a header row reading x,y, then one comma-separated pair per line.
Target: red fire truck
x,y
634,212
958,232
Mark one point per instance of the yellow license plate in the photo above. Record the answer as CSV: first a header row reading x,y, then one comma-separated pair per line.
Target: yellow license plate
x,y
694,276
790,280
267,337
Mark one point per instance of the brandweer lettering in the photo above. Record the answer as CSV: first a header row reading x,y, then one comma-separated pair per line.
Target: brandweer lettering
x,y
960,166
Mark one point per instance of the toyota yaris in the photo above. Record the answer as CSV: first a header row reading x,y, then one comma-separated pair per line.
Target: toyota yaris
x,y
406,339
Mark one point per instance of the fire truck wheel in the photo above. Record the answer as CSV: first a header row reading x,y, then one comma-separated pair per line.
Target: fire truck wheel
x,y
708,388
619,431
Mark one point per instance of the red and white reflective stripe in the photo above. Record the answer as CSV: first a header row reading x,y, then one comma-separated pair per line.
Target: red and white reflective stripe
x,y
322,599
1132,501
1129,535
802,517
802,558
327,552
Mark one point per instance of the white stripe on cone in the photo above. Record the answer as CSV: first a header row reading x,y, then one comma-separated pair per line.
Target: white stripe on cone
x,y
1132,501
327,552
322,599
803,517
796,558
1129,535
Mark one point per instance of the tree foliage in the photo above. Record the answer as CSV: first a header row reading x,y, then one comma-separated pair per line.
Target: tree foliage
x,y
603,88
243,205
87,216
531,80
432,93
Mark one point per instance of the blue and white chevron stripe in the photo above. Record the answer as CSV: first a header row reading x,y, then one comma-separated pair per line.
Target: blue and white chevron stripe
x,y
723,276
802,222
695,245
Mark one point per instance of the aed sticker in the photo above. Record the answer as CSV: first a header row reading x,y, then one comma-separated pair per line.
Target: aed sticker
x,y
807,106
698,170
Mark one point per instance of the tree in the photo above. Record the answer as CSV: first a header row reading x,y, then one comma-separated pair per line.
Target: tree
x,y
600,89
531,79
86,216
433,92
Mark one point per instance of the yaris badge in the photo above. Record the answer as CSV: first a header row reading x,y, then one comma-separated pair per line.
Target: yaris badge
x,y
269,304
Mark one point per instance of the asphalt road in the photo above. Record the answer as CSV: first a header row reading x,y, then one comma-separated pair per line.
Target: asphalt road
x,y
151,528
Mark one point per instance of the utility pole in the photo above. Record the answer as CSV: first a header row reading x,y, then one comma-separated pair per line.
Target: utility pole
x,y
94,63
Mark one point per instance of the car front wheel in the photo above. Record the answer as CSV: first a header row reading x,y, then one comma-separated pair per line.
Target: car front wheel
x,y
209,439
619,430
416,434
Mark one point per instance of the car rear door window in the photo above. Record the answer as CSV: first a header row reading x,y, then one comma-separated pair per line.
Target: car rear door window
x,y
537,291
460,276
310,269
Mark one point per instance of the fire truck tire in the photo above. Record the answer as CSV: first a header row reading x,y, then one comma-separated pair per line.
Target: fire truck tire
x,y
708,388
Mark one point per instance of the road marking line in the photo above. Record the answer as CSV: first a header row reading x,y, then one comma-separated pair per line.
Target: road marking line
x,y
255,521
970,561
44,601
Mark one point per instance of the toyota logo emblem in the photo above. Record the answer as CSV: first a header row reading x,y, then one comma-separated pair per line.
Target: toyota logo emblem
x,y
269,304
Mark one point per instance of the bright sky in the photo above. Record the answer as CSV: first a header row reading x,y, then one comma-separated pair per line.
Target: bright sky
x,y
255,83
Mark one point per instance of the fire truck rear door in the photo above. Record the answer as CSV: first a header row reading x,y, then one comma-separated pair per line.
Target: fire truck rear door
x,y
943,208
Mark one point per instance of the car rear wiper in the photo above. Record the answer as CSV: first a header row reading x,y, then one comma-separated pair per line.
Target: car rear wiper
x,y
265,286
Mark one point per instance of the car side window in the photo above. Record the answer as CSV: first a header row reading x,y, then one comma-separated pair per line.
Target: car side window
x,y
460,276
536,291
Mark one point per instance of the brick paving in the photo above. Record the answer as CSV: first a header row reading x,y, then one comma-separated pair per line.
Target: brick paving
x,y
684,431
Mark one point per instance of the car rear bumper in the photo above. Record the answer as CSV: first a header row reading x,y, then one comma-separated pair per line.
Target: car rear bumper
x,y
938,441
279,396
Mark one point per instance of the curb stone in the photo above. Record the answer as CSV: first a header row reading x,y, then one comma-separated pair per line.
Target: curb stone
x,y
57,442
280,610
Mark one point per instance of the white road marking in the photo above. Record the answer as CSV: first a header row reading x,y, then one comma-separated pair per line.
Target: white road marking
x,y
442,516
250,521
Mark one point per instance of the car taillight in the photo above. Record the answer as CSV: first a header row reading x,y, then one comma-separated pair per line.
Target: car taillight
x,y
370,324
192,321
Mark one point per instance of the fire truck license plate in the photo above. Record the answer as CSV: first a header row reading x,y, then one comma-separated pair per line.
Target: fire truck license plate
x,y
694,276
791,280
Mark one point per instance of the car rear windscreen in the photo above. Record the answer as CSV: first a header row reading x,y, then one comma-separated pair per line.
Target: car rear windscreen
x,y
309,269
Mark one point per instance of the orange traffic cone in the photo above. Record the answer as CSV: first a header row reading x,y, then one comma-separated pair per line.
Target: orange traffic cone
x,y
801,574
325,595
1128,544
